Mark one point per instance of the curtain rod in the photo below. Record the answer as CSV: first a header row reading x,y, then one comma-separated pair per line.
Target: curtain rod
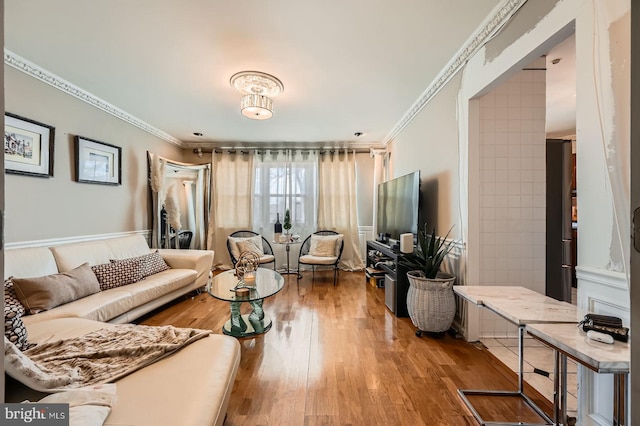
x,y
249,150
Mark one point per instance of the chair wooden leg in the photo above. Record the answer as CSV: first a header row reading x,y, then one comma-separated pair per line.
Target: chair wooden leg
x,y
313,274
335,271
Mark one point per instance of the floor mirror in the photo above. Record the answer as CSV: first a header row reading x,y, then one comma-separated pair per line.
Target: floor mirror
x,y
180,194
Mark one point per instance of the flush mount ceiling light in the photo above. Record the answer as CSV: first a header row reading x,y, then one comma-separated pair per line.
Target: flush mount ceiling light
x,y
257,88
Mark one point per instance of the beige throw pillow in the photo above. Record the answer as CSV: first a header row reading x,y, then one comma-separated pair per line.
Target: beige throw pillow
x,y
44,293
250,245
235,250
325,245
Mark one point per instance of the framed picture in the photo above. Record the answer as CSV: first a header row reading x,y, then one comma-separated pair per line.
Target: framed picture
x,y
97,162
28,146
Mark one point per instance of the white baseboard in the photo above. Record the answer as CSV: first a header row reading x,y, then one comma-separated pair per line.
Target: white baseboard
x,y
76,239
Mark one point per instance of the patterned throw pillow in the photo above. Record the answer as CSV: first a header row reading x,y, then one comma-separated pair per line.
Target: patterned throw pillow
x,y
116,274
14,328
152,263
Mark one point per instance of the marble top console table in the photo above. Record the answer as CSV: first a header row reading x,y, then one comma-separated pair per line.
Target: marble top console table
x,y
567,340
520,306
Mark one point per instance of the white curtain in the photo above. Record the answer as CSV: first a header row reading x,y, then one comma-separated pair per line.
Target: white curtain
x,y
285,179
231,204
337,207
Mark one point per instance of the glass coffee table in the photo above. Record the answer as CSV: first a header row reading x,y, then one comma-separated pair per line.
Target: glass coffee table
x,y
268,282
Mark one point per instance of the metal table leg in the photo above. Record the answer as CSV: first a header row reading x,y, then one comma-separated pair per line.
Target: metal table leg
x,y
519,393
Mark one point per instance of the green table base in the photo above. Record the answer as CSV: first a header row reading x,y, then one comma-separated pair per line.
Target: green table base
x,y
248,324
252,328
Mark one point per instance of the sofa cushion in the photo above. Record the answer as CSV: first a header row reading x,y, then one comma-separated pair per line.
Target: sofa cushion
x,y
152,263
158,285
127,247
14,328
317,260
43,293
170,380
116,274
29,262
101,306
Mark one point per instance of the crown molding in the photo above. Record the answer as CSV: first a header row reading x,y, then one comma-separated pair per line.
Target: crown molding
x,y
21,64
483,34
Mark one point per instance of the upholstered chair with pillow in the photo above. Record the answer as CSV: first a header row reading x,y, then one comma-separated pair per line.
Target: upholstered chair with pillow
x,y
322,248
241,241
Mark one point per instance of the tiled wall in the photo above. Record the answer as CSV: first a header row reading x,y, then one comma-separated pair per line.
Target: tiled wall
x,y
512,188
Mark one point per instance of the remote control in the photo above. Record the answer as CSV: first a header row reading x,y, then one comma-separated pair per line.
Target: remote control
x,y
599,337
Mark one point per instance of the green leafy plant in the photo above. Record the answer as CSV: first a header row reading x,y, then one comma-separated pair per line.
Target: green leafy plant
x,y
287,220
429,253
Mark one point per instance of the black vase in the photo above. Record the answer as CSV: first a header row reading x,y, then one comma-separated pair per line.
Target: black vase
x,y
277,227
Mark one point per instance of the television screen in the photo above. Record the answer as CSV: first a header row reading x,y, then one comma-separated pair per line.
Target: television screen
x,y
398,206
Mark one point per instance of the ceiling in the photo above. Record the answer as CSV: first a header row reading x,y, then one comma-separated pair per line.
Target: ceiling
x,y
347,66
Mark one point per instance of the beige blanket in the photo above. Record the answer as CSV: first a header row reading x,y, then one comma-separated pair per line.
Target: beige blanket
x,y
102,356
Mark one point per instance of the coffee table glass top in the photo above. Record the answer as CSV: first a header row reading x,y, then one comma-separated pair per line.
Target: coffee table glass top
x,y
268,282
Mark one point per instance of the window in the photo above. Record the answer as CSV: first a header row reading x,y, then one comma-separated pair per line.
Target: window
x,y
285,180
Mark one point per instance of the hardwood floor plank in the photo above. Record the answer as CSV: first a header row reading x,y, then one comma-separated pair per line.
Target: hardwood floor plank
x,y
336,355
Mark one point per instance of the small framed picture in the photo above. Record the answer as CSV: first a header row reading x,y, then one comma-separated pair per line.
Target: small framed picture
x,y
28,146
97,162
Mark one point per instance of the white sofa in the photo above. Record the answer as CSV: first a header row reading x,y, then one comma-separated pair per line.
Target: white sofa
x,y
186,388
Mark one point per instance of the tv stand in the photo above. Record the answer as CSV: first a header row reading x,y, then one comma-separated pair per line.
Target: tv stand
x,y
387,259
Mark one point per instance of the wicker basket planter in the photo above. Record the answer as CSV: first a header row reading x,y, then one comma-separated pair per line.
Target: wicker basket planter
x,y
430,302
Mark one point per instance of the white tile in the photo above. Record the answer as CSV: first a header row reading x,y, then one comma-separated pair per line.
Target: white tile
x,y
500,99
501,188
489,112
502,175
514,201
527,201
490,342
514,125
514,113
488,188
513,101
502,139
514,151
506,356
487,125
502,125
514,187
514,163
526,125
488,163
502,164
488,151
526,113
488,175
501,200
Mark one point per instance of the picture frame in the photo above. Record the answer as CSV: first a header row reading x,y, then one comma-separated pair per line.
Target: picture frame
x,y
28,146
97,162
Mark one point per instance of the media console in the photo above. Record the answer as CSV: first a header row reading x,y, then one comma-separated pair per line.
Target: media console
x,y
382,257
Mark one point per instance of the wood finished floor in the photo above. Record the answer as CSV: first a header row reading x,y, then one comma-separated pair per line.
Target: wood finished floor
x,y
337,356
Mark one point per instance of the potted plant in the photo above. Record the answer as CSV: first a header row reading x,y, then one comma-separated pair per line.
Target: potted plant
x,y
430,299
287,221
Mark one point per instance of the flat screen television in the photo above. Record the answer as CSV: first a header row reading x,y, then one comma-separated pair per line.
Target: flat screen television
x,y
398,206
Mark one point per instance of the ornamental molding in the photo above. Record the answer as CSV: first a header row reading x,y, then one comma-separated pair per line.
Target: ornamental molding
x,y
16,61
483,34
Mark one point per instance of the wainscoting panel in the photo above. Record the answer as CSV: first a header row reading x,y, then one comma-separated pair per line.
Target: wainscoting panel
x,y
365,233
602,292
146,233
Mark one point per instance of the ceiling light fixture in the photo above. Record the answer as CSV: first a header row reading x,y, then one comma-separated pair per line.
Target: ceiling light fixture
x,y
257,88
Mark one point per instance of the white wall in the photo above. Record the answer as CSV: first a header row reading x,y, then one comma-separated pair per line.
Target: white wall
x,y
429,143
602,120
58,207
